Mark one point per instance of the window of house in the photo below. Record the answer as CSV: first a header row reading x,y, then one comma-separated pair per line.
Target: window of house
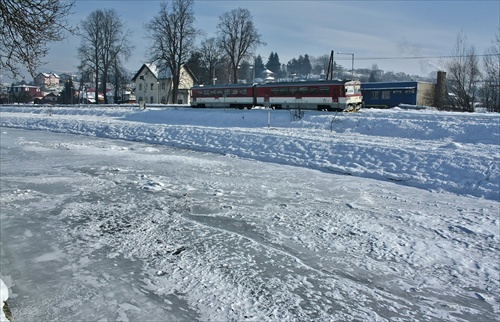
x,y
386,95
140,87
152,86
151,99
163,85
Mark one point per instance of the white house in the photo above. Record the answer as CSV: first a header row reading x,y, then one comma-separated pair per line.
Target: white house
x,y
154,85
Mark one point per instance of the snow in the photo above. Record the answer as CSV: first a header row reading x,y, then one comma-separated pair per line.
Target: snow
x,y
208,214
4,296
437,151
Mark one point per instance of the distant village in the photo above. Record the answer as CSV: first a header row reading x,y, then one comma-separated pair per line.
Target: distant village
x,y
49,88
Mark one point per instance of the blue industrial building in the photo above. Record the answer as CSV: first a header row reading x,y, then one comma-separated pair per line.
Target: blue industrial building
x,y
391,94
410,94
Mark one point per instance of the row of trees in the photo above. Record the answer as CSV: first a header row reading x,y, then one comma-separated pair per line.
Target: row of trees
x,y
229,56
103,49
467,82
173,35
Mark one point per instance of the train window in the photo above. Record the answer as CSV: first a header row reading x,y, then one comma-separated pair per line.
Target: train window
x,y
274,91
226,92
313,90
243,91
293,90
284,90
410,91
324,90
212,92
234,92
219,92
397,92
386,95
375,95
303,90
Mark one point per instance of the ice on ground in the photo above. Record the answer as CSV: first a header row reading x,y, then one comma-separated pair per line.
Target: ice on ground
x,y
265,229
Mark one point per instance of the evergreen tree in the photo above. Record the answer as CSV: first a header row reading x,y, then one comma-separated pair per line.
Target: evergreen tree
x,y
273,63
67,95
306,66
259,66
292,66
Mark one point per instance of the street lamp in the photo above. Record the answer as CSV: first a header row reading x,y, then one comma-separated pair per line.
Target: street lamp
x,y
252,67
352,66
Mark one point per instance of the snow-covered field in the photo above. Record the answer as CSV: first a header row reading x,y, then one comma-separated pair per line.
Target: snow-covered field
x,y
377,215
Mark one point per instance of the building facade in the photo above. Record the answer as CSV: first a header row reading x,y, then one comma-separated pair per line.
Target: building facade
x,y
154,85
25,93
414,94
47,80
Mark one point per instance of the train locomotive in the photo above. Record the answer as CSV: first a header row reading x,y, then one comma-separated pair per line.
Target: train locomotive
x,y
326,95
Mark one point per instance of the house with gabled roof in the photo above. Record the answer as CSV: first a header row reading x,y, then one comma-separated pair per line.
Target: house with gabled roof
x,y
153,85
25,93
47,80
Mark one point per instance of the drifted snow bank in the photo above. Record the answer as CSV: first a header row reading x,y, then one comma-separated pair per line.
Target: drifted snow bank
x,y
4,296
439,151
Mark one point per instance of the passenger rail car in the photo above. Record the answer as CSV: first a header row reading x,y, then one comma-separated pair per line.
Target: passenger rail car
x,y
320,95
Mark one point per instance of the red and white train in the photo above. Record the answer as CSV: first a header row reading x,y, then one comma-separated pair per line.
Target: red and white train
x,y
318,95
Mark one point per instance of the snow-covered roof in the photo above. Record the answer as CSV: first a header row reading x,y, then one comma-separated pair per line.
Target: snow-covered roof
x,y
157,71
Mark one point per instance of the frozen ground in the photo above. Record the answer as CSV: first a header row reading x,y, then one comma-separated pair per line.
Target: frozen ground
x,y
380,215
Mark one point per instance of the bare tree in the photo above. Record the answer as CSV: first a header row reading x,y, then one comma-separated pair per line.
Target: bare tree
x,y
320,64
104,43
491,83
27,28
210,56
92,46
115,46
172,35
464,73
238,37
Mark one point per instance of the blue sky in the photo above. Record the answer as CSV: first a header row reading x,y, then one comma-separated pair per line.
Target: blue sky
x,y
377,32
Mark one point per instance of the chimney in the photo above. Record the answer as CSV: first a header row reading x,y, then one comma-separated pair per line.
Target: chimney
x,y
440,90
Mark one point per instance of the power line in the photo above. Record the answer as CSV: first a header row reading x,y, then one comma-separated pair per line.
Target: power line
x,y
415,57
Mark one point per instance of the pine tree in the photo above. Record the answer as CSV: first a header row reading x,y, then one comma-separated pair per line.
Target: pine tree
x,y
273,63
259,66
